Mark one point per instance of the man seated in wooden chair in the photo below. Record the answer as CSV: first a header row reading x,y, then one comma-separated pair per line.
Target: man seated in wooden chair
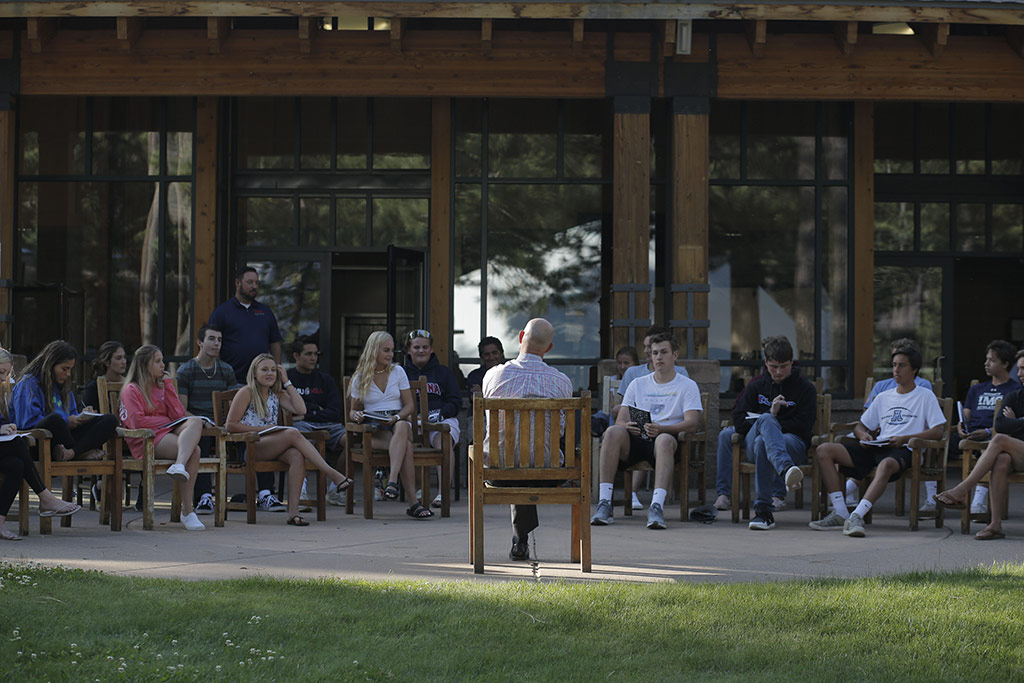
x,y
668,404
897,415
526,376
1004,454
776,415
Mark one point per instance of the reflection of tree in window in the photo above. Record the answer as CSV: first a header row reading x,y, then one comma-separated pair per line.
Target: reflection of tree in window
x,y
908,303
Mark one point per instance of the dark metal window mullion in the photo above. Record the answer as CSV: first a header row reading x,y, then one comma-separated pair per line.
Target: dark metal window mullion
x,y
450,323
192,225
89,102
334,134
851,254
560,141
369,132
161,276
743,141
484,176
818,189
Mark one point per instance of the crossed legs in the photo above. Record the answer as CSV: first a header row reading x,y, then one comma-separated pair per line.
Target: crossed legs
x,y
997,458
291,447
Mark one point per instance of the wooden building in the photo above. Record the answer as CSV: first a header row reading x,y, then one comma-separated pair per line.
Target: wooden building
x,y
843,173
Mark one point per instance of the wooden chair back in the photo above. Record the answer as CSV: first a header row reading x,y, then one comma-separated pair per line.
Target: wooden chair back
x,y
221,404
517,450
609,392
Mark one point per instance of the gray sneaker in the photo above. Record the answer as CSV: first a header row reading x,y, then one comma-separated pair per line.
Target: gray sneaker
x,y
833,521
270,503
723,503
794,478
854,526
603,516
655,517
336,497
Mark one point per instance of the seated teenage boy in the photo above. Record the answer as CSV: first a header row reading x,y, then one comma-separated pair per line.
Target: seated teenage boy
x,y
897,416
673,402
777,441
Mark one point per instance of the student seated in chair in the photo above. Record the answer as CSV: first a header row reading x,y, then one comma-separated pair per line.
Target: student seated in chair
x,y
896,416
1004,453
673,405
778,438
255,409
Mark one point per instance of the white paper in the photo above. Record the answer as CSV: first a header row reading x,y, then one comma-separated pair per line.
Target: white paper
x,y
271,430
369,414
960,414
11,437
89,413
875,442
752,415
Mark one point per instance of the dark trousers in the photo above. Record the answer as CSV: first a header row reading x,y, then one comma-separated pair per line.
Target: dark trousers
x,y
16,464
524,517
85,437
204,480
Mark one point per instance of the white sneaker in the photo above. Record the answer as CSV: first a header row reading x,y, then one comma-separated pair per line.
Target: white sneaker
x,y
794,478
637,505
205,504
270,503
778,504
192,523
980,507
723,503
927,506
336,497
177,472
852,500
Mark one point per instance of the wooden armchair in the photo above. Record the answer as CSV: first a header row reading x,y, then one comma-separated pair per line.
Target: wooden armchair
x,y
248,467
150,466
524,454
743,471
690,458
970,450
109,468
359,449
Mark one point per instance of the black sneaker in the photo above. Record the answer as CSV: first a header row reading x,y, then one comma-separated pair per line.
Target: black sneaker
x,y
763,519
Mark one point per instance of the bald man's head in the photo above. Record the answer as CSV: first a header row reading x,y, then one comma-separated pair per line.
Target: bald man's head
x,y
537,337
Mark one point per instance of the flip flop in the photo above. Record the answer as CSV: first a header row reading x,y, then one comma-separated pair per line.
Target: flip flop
x,y
418,511
345,484
8,535
66,511
989,535
391,491
947,501
296,520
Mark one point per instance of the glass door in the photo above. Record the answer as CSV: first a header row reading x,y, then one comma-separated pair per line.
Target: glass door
x,y
407,292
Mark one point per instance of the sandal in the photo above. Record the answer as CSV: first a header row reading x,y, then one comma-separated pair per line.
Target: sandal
x,y
989,535
391,491
346,482
418,511
949,502
8,535
66,510
297,521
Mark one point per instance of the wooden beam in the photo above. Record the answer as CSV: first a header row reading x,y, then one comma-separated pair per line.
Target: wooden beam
x,y
1015,37
440,228
846,36
863,242
217,30
308,27
8,167
757,36
129,30
619,10
631,210
934,36
397,28
486,29
40,31
690,197
668,37
206,210
577,34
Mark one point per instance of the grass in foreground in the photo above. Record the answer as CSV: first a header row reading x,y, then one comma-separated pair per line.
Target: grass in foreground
x,y
62,624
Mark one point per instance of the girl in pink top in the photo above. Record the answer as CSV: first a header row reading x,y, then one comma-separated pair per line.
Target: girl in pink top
x,y
149,401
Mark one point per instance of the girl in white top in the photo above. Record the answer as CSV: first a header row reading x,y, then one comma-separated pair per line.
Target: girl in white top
x,y
379,386
254,409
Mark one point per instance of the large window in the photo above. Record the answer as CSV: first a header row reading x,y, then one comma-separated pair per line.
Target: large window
x,y
104,223
528,198
779,247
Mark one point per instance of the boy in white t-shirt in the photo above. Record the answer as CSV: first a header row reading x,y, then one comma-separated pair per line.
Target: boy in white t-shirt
x,y
673,402
897,416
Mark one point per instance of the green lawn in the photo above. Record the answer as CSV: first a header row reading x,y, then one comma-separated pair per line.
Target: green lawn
x,y
81,626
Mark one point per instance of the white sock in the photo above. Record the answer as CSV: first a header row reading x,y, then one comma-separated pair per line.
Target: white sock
x,y
839,504
863,507
659,497
980,494
606,491
930,489
851,487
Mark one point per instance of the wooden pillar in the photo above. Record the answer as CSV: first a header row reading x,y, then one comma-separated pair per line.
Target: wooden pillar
x,y
8,168
631,208
690,155
440,227
863,241
206,210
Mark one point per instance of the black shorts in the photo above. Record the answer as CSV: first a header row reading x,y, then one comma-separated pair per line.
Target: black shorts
x,y
866,458
641,450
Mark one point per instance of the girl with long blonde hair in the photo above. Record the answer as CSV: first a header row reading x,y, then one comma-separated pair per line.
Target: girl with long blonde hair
x,y
255,408
150,401
382,388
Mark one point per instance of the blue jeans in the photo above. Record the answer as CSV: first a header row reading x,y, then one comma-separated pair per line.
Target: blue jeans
x,y
772,453
723,478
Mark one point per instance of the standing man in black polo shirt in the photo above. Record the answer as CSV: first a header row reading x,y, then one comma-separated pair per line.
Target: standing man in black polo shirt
x,y
249,328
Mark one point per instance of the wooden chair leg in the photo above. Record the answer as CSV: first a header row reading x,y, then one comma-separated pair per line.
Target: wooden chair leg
x,y
445,484
683,484
220,501
735,484
368,488
68,494
250,492
915,495
350,493
45,523
321,497
585,540
627,492
965,514
472,497
745,482
23,526
575,533
477,512
176,496
900,497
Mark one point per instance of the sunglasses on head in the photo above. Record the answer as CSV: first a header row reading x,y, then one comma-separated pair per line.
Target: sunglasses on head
x,y
420,334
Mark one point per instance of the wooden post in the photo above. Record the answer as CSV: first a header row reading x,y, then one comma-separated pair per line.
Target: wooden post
x,y
8,169
129,30
440,227
217,30
863,241
206,210
690,153
631,207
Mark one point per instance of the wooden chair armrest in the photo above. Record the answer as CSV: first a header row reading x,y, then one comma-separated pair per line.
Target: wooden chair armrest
x,y
37,433
692,436
317,435
213,431
437,427
818,439
126,433
241,437
357,427
737,438
916,443
971,444
725,423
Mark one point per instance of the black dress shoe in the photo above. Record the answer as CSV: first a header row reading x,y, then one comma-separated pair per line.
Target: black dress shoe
x,y
520,550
